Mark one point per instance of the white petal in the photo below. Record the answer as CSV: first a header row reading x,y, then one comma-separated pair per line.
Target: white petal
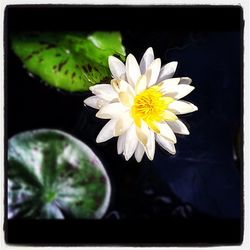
x,y
111,110
182,107
180,91
185,80
117,67
130,143
126,99
139,152
141,84
169,85
169,116
167,145
150,147
152,72
166,131
178,127
107,131
132,70
122,124
122,86
167,71
121,143
143,133
104,91
146,60
95,102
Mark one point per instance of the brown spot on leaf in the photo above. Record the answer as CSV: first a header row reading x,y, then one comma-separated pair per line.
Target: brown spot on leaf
x,y
28,57
84,68
89,67
61,64
32,54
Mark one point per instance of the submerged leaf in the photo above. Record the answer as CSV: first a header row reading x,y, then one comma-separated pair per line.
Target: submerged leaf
x,y
52,175
69,61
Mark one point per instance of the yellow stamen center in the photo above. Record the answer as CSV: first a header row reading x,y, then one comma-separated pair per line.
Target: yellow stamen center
x,y
151,106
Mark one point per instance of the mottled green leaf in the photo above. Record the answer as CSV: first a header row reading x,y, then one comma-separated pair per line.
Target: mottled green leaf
x,y
69,61
52,175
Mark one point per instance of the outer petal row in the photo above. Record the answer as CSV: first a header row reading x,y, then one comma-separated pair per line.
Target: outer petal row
x,y
132,70
95,102
146,60
104,91
182,107
164,143
117,68
167,71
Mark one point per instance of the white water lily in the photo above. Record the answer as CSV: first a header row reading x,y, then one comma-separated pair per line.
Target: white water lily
x,y
142,103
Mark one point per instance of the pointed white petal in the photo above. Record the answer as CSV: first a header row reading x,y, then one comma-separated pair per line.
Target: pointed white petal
x,y
122,124
182,107
143,133
178,127
116,67
132,70
95,102
150,147
111,110
179,91
169,85
99,88
167,71
185,80
130,143
167,145
139,152
107,131
104,91
121,143
166,131
147,59
152,72
141,84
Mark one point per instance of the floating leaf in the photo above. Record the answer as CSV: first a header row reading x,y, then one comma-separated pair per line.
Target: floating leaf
x,y
69,61
52,175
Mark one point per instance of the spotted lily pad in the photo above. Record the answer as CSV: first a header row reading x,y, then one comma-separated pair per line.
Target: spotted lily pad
x,y
52,175
68,61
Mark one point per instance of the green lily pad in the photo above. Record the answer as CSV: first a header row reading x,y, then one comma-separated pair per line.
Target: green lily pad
x,y
52,175
68,61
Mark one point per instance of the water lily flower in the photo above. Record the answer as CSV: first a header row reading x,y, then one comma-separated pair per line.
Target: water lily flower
x,y
142,102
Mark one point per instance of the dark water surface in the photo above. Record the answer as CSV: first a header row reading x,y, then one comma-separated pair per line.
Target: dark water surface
x,y
196,194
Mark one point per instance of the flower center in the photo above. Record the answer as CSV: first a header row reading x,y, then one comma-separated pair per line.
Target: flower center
x,y
150,106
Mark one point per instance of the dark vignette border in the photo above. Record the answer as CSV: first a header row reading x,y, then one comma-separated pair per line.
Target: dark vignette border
x,y
124,232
